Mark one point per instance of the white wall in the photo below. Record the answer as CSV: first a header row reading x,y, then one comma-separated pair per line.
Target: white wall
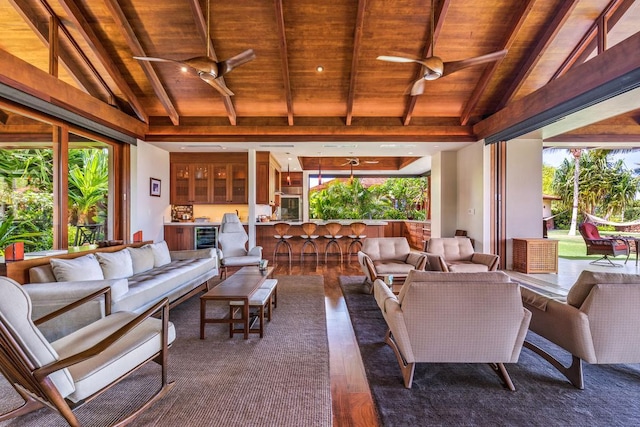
x,y
444,200
523,192
472,191
149,213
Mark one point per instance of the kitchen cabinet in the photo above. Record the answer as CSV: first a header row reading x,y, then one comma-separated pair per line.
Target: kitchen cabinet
x,y
230,184
209,178
190,183
179,237
268,180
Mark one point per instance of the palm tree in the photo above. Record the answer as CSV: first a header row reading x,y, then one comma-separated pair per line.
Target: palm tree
x,y
88,184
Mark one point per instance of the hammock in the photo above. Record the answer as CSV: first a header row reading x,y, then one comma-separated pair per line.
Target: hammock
x,y
599,220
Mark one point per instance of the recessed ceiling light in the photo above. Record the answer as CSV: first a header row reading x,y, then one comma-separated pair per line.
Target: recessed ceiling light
x,y
184,69
319,68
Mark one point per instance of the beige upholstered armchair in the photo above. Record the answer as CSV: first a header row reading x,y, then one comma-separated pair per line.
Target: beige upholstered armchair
x,y
598,323
456,254
381,256
233,245
74,369
454,318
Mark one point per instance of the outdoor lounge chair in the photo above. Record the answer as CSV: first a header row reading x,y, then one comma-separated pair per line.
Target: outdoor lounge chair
x,y
605,246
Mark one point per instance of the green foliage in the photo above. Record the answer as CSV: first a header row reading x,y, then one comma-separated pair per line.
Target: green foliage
x,y
548,173
397,198
10,232
88,184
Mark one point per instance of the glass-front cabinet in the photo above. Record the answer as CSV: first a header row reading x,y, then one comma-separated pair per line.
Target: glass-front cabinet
x,y
230,183
191,183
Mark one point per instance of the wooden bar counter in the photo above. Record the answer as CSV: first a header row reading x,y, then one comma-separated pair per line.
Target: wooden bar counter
x,y
265,233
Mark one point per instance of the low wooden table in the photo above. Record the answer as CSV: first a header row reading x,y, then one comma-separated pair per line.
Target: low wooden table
x,y
237,287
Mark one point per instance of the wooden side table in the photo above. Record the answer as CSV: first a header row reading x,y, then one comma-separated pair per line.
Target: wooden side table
x,y
535,255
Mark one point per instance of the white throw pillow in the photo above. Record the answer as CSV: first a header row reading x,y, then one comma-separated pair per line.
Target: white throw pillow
x,y
161,255
115,265
72,270
142,259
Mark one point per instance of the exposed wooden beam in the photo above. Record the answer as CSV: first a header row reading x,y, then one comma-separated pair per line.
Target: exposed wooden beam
x,y
284,55
440,14
560,17
580,81
357,37
317,132
54,46
4,117
490,69
201,26
134,44
84,28
596,36
27,78
68,61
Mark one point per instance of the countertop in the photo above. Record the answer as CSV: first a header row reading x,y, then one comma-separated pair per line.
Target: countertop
x,y
319,222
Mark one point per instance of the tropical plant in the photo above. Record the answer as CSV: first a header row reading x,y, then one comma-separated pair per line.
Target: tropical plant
x,y
88,184
10,232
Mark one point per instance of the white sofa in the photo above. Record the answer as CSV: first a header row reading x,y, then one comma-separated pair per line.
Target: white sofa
x,y
138,278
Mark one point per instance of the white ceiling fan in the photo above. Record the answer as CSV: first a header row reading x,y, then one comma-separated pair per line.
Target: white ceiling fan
x,y
434,67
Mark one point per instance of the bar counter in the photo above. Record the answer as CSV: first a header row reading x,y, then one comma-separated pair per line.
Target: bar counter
x,y
265,233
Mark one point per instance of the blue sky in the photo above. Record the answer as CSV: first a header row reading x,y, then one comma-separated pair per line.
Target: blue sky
x,y
555,158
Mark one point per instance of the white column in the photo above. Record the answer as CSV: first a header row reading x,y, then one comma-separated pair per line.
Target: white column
x,y
444,204
251,221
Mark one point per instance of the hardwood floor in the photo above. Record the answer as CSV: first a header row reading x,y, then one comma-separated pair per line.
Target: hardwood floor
x,y
350,394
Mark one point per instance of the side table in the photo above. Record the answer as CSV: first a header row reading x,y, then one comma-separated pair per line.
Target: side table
x,y
535,255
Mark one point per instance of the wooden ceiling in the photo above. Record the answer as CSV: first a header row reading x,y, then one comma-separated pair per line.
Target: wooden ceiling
x,y
280,96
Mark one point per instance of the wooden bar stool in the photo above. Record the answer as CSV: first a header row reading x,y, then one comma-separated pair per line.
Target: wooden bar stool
x,y
281,229
309,240
333,228
357,228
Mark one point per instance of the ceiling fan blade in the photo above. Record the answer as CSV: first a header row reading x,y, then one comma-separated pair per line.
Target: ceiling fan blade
x,y
418,87
452,67
153,59
242,58
216,84
401,59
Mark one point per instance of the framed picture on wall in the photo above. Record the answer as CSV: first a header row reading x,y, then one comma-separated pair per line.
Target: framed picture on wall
x,y
154,188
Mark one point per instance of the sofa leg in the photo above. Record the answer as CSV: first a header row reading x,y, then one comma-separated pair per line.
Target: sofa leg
x,y
407,369
499,369
572,372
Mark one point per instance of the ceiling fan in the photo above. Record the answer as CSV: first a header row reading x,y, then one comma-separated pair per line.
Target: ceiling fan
x,y
354,161
208,69
434,67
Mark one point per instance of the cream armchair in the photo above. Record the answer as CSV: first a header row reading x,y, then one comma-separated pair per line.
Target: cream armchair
x,y
598,323
456,254
454,318
233,245
382,256
72,370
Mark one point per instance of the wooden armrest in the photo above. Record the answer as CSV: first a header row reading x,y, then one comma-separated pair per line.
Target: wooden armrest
x,y
107,305
100,346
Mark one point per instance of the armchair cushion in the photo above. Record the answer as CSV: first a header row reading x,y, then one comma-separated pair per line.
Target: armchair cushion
x,y
588,279
380,256
456,255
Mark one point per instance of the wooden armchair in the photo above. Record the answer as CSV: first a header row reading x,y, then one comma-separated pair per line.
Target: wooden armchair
x,y
605,246
66,373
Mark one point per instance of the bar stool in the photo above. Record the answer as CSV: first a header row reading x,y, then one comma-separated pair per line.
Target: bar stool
x,y
357,228
333,228
282,236
309,240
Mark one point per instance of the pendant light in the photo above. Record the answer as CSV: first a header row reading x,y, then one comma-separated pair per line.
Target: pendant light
x,y
288,175
319,172
351,178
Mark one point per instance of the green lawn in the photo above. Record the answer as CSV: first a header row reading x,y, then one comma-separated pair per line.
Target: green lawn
x,y
573,247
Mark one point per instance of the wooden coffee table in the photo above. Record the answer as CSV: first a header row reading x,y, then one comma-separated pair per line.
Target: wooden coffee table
x,y
237,287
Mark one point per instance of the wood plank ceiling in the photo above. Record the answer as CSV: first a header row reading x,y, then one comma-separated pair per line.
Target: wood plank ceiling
x,y
281,95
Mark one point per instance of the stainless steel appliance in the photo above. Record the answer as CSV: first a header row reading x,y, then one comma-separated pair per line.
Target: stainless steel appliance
x,y
206,237
291,207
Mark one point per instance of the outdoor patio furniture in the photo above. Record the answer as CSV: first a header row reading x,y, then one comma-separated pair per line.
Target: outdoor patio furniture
x,y
605,246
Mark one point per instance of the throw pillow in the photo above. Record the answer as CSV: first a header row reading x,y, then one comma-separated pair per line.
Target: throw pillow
x,y
161,255
142,259
72,270
115,265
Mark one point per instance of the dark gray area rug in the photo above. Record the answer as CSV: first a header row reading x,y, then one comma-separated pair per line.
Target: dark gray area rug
x,y
279,380
471,394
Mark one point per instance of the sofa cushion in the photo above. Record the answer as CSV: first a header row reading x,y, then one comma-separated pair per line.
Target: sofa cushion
x,y
466,267
385,248
115,265
451,248
588,279
142,259
71,270
385,267
161,255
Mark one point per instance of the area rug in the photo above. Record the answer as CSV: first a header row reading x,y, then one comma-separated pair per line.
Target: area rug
x,y
279,380
470,394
